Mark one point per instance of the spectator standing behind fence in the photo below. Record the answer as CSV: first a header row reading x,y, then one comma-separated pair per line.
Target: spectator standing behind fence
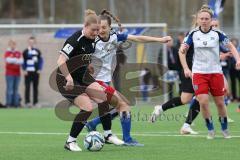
x,y
13,62
32,65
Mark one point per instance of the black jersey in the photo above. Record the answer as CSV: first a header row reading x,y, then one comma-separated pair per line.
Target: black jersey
x,y
78,50
189,57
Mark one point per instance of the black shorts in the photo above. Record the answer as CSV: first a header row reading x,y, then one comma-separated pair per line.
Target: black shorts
x,y
186,83
80,85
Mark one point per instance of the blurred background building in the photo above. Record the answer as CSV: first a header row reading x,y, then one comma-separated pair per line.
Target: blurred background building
x,y
177,14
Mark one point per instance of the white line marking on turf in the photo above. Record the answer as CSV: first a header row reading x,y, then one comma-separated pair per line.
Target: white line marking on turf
x,y
146,134
34,133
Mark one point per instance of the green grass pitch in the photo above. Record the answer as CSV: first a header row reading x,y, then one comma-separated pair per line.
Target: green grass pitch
x,y
37,134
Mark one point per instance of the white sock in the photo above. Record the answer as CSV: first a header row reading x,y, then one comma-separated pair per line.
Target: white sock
x,y
71,139
186,125
161,110
106,133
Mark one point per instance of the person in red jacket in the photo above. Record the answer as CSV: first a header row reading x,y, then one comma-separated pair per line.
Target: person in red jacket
x,y
13,61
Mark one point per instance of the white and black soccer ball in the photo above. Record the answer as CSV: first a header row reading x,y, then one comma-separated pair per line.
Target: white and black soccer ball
x,y
94,141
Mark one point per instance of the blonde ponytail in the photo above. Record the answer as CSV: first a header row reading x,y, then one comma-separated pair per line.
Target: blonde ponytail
x,y
90,17
206,8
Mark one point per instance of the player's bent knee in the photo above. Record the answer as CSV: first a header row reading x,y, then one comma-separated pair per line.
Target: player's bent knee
x,y
186,98
88,108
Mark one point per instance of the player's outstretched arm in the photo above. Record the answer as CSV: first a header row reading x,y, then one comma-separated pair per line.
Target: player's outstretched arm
x,y
148,39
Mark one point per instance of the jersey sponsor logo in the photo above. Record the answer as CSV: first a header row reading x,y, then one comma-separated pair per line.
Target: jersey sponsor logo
x,y
68,48
86,57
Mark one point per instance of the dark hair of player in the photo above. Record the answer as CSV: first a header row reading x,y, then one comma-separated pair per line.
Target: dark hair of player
x,y
106,15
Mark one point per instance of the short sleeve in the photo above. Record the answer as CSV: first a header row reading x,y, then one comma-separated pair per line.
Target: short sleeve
x,y
122,37
188,40
69,46
223,38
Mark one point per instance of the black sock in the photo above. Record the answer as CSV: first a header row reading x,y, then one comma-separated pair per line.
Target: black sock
x,y
114,113
105,116
79,123
193,112
172,103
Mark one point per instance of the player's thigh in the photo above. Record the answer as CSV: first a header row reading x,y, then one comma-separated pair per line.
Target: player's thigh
x,y
200,83
186,84
109,90
96,92
83,102
217,85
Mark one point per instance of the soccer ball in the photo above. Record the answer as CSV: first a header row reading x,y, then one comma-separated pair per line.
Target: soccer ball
x,y
94,141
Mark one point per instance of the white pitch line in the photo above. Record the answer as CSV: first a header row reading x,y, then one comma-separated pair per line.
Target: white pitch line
x,y
34,133
156,134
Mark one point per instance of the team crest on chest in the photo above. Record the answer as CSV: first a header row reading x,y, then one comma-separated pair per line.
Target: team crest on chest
x,y
204,43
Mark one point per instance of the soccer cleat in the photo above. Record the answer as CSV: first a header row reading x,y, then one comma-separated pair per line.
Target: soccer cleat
x,y
90,127
113,139
230,120
133,143
156,112
28,105
226,134
72,146
187,130
37,105
211,134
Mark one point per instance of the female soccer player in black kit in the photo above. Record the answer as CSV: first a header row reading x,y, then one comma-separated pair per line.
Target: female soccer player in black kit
x,y
75,82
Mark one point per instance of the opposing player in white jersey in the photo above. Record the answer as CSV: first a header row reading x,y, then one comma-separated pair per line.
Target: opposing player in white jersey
x,y
206,71
104,63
